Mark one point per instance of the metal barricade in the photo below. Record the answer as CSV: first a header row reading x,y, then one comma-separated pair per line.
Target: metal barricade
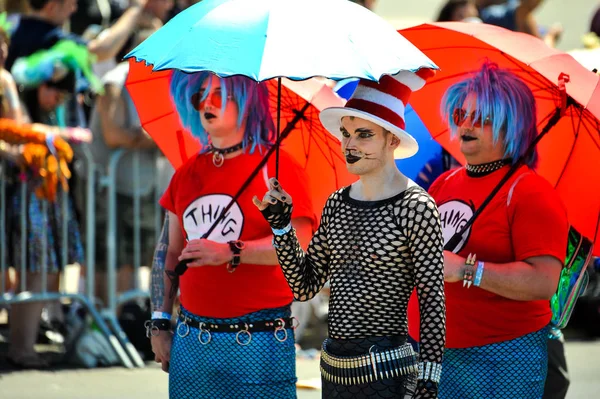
x,y
106,318
114,298
109,181
127,353
115,337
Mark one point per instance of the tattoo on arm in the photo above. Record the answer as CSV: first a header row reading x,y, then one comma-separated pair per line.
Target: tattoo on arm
x,y
174,280
158,267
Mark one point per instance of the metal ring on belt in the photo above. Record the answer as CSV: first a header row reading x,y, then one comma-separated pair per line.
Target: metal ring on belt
x,y
202,330
281,328
186,327
237,336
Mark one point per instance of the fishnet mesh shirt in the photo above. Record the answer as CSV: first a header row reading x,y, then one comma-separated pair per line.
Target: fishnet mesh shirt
x,y
374,253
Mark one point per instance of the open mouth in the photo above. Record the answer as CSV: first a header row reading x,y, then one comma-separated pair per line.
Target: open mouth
x,y
209,116
467,138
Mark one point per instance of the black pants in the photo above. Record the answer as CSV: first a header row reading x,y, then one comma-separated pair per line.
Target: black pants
x,y
557,381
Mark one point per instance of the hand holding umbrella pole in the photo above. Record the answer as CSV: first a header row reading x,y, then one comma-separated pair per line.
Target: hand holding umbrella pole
x,y
277,207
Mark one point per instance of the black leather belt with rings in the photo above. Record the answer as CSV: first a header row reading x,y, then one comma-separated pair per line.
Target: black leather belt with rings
x,y
243,330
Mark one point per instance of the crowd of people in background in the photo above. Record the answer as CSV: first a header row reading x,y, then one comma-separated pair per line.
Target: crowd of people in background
x,y
45,93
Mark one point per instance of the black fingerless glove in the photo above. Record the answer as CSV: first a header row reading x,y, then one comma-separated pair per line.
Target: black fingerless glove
x,y
278,215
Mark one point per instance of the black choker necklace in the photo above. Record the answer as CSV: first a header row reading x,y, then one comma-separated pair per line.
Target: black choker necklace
x,y
486,168
218,153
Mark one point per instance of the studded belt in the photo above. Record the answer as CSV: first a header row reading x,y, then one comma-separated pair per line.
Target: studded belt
x,y
243,331
373,366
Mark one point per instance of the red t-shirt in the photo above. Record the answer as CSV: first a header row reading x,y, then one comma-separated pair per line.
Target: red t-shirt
x,y
526,218
196,194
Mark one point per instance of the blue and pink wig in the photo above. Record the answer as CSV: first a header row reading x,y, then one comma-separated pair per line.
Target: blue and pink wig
x,y
252,100
506,100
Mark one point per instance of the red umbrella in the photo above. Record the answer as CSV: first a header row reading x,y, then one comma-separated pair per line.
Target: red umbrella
x,y
308,142
569,154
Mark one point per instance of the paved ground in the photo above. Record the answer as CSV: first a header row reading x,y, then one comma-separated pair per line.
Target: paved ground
x,y
151,382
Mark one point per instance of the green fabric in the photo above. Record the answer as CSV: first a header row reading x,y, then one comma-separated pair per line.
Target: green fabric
x,y
44,65
573,278
4,24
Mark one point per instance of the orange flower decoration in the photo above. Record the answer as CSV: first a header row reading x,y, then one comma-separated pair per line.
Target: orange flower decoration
x,y
37,157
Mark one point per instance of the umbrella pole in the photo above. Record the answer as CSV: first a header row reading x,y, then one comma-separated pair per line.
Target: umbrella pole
x,y
278,127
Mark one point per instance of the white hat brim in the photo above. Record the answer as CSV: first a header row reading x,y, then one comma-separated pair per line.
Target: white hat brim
x,y
331,118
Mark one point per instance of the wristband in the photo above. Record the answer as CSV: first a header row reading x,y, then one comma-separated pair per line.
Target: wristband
x,y
479,274
161,316
469,270
285,230
430,371
154,327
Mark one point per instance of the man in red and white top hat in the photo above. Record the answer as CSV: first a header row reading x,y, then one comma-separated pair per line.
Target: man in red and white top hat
x,y
378,239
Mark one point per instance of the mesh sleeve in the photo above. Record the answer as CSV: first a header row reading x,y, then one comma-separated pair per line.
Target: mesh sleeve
x,y
426,248
306,273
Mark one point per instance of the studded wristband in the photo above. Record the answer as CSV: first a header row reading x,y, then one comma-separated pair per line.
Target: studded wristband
x,y
469,270
430,371
155,326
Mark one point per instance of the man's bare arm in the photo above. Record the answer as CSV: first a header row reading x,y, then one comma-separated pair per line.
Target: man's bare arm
x,y
111,109
108,44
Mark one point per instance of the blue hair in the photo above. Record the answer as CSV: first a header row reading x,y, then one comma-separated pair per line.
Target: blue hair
x,y
251,97
506,100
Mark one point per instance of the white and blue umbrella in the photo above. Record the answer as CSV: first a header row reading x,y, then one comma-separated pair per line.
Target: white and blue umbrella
x,y
265,39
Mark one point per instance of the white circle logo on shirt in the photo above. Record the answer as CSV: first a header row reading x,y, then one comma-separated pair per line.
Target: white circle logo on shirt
x,y
200,215
453,216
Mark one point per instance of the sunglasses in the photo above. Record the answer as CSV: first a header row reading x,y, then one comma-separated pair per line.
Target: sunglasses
x,y
460,116
216,97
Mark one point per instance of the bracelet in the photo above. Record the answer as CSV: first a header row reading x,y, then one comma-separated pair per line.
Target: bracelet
x,y
469,269
430,371
285,230
154,327
161,315
479,274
